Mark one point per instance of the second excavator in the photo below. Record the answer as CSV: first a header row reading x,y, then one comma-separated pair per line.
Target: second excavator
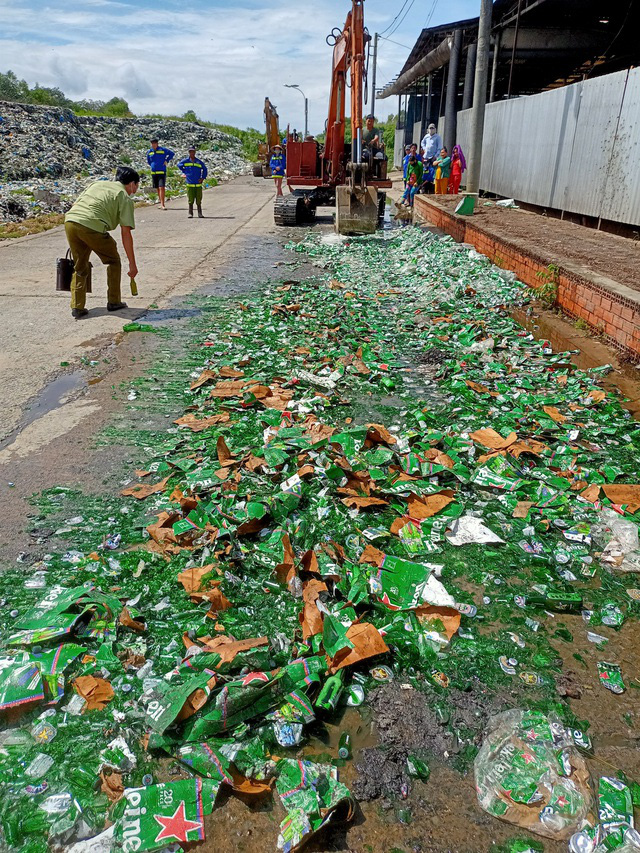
x,y
265,149
349,175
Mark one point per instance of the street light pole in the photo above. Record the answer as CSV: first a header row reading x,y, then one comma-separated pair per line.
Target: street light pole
x,y
306,106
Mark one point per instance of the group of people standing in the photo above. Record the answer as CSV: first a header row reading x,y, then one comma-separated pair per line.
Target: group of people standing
x,y
192,168
432,169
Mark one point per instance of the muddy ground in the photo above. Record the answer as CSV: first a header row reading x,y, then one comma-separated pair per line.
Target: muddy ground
x,y
394,813
606,254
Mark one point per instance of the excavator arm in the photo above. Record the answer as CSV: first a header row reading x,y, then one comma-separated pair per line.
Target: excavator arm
x,y
356,202
348,70
338,173
272,137
271,122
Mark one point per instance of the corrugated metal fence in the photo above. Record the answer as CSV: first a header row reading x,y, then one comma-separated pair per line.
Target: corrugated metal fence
x,y
576,148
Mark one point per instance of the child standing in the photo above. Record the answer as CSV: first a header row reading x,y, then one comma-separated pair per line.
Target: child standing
x,y
429,179
278,165
412,188
414,167
443,172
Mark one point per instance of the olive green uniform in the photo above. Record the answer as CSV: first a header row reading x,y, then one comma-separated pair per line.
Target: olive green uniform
x,y
101,208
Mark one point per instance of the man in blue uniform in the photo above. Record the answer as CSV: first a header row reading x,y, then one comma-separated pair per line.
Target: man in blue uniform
x,y
195,172
157,158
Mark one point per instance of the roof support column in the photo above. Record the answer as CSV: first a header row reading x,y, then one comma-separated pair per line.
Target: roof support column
x,y
494,69
469,73
451,107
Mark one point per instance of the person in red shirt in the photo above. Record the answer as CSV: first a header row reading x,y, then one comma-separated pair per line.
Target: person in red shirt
x,y
458,166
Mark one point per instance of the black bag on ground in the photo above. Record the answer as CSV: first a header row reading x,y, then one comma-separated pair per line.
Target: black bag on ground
x,y
64,273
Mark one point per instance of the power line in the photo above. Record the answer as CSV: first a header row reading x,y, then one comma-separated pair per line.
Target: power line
x,y
396,17
431,13
403,17
395,42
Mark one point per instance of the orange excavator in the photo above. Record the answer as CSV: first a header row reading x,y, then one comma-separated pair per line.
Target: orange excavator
x,y
261,168
347,175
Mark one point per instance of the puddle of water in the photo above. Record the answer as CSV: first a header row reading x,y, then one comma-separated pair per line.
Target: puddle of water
x,y
161,315
55,394
586,352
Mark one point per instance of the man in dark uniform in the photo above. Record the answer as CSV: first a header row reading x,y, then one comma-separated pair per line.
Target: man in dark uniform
x,y
195,172
157,158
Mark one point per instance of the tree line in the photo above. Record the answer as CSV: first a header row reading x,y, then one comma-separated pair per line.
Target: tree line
x,y
19,91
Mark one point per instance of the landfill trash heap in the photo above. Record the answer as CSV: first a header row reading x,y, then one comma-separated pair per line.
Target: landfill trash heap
x,y
377,474
49,154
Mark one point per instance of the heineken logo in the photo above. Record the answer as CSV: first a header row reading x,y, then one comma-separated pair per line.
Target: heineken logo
x,y
177,827
163,814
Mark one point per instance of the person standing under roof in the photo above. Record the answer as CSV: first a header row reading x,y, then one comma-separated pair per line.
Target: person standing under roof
x,y
458,166
99,209
195,172
157,158
431,144
443,172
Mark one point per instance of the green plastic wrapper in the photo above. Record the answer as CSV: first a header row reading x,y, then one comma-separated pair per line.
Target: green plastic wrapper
x,y
313,797
403,585
20,682
171,812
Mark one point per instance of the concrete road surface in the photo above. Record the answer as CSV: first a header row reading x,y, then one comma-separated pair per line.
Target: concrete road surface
x,y
173,252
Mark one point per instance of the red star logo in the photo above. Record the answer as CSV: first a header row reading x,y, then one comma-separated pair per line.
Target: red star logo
x,y
531,735
562,801
528,758
177,826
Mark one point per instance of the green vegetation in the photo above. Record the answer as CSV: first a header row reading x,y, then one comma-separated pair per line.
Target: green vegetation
x,y
547,290
250,138
33,225
19,91
388,129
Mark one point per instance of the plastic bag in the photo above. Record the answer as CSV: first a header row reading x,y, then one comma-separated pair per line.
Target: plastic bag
x,y
618,537
529,773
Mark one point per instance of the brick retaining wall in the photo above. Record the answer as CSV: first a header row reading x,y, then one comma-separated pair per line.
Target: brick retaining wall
x,y
608,307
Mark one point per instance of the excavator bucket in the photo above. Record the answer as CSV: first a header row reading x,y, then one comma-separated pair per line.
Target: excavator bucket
x,y
356,210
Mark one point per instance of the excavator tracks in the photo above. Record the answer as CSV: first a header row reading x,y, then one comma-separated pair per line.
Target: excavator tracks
x,y
290,210
285,210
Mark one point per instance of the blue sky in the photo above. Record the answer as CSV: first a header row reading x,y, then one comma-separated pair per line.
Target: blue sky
x,y
214,56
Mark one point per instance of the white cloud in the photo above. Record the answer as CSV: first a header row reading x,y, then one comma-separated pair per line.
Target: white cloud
x,y
220,60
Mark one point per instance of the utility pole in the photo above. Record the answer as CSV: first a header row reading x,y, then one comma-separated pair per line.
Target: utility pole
x,y
373,74
479,96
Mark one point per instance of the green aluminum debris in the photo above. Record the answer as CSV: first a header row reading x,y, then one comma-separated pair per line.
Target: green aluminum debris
x,y
371,476
139,327
467,205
